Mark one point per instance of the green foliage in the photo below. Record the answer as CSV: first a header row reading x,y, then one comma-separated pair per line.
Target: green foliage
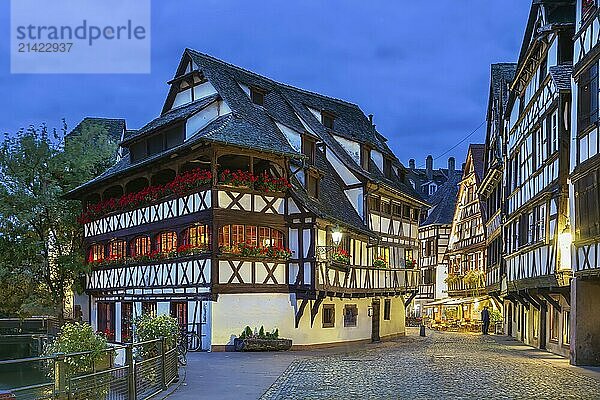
x,y
452,279
40,240
495,315
77,338
147,327
248,334
474,278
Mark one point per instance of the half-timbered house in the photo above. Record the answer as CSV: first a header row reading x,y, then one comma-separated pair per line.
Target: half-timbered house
x,y
538,263
251,202
466,248
492,187
434,235
585,195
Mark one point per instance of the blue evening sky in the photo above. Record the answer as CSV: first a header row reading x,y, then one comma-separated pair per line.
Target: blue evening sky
x,y
421,67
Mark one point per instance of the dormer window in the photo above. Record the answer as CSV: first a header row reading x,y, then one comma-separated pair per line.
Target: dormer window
x,y
365,155
257,96
387,168
327,119
312,184
308,148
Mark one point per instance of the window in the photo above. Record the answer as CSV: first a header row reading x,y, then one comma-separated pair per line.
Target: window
x,y
233,235
149,308
553,132
328,315
178,310
96,252
138,150
387,306
197,236
117,249
365,156
554,324
541,146
408,255
309,148
312,185
140,246
224,236
106,320
543,70
350,315
327,120
166,242
155,144
374,204
251,238
387,168
587,205
257,96
385,207
587,98
566,327
237,235
397,209
126,321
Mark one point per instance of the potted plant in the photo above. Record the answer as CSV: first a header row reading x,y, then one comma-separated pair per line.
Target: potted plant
x,y
340,256
261,341
380,262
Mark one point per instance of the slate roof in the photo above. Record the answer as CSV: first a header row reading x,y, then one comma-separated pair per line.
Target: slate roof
x,y
419,176
501,74
172,116
332,203
254,127
561,75
477,152
443,202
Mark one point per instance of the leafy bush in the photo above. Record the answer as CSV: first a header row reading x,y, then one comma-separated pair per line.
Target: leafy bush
x,y
452,279
76,338
147,327
474,279
248,334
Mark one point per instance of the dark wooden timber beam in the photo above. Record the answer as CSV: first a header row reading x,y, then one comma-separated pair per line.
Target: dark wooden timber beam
x,y
315,310
410,299
531,300
550,300
300,311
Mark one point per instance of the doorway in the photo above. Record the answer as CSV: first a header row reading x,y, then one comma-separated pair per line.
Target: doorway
x,y
375,305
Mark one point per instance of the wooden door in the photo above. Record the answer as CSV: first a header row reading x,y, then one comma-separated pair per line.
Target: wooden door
x,y
510,319
375,321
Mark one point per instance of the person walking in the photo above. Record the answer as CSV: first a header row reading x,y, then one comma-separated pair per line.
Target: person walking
x,y
485,317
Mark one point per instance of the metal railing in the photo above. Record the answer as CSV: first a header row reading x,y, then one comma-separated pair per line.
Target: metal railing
x,y
134,371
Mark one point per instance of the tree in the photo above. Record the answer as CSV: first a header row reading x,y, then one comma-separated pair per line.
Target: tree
x,y
40,240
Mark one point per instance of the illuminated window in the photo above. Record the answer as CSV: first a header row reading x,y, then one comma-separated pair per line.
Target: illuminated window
x,y
251,238
276,238
126,321
166,242
554,324
237,234
224,236
197,236
140,246
566,327
149,308
117,249
264,236
96,252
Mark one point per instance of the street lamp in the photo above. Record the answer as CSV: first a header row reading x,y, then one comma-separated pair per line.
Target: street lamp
x,y
336,235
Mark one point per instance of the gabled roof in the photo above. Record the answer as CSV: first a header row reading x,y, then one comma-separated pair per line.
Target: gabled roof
x,y
172,116
477,152
443,202
501,74
561,75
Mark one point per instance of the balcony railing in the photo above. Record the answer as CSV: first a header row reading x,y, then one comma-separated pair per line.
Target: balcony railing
x,y
426,291
365,280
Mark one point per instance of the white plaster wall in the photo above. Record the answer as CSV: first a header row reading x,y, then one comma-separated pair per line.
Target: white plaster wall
x,y
347,176
377,158
292,136
205,116
182,98
204,90
351,147
232,313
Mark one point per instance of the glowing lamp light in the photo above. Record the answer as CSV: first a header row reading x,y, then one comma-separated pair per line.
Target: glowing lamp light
x,y
336,235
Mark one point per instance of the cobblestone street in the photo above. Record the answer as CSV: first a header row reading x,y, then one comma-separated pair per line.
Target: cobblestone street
x,y
442,365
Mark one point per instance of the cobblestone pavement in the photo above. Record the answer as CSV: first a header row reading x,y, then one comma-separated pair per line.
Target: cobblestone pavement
x,y
441,366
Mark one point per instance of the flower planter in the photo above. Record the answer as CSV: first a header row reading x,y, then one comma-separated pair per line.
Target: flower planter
x,y
262,344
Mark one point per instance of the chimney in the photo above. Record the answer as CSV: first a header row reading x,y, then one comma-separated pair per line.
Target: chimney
x,y
429,167
411,163
451,165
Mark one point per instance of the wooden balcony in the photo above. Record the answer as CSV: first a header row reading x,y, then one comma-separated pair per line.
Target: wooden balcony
x,y
359,281
587,258
167,208
460,288
426,291
183,275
